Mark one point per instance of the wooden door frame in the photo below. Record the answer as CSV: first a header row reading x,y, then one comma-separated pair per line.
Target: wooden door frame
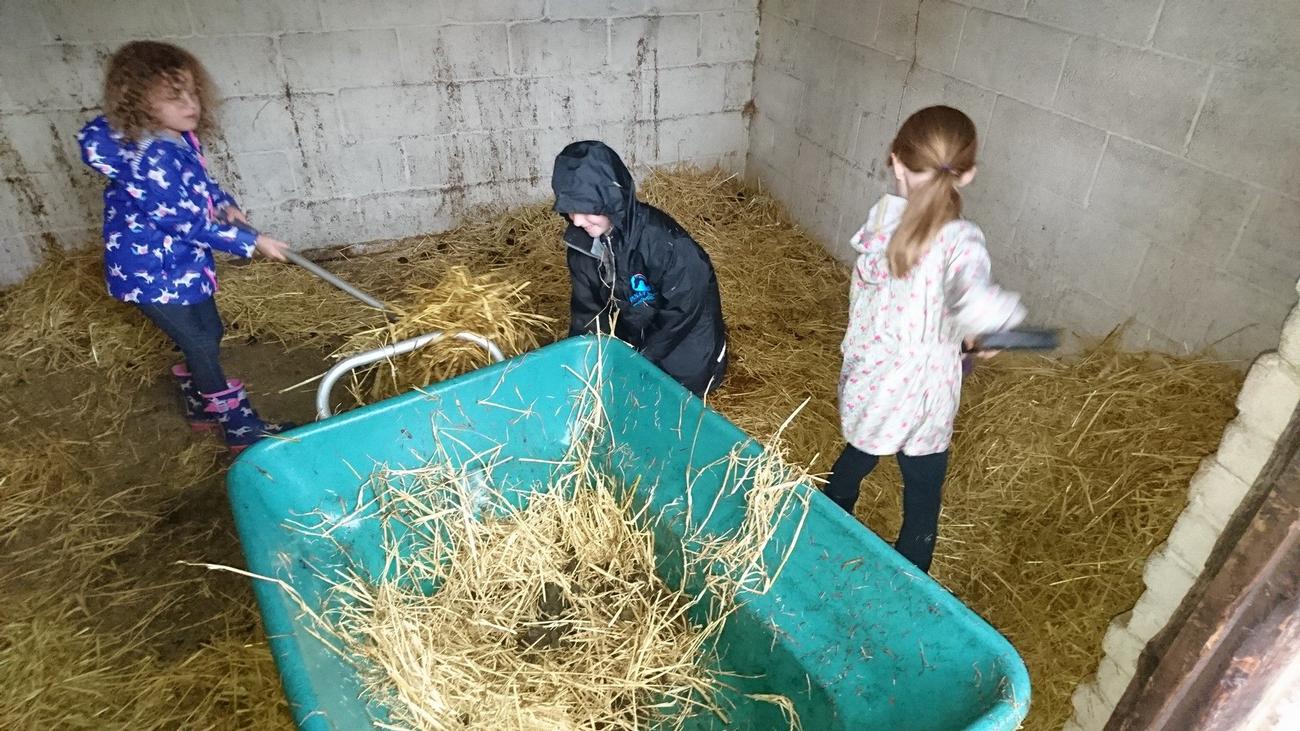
x,y
1237,627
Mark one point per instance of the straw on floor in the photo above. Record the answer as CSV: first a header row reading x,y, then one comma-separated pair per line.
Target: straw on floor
x,y
1065,472
1066,475
60,318
86,642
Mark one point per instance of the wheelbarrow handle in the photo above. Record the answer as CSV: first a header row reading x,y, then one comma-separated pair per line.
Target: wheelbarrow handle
x,y
389,351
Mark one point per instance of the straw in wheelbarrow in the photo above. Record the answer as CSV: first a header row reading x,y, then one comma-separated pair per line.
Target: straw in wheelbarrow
x,y
549,615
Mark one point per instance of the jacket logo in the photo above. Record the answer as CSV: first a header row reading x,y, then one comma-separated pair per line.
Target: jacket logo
x,y
642,292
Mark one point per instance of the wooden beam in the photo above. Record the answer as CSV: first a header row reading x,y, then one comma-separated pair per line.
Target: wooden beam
x,y
1265,657
1215,655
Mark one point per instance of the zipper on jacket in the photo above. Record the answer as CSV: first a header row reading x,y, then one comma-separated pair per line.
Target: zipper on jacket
x,y
582,250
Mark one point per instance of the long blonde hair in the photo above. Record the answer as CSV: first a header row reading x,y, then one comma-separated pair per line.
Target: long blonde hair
x,y
940,140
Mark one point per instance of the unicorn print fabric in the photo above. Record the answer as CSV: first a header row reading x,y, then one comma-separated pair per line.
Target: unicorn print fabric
x,y
160,217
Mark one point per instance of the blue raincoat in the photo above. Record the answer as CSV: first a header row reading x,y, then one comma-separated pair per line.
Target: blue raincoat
x,y
160,216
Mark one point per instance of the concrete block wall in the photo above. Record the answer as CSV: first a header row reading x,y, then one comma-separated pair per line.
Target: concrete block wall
x,y
1138,159
347,121
1268,398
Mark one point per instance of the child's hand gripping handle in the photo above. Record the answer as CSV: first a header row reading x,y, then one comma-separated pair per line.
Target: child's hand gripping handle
x,y
266,246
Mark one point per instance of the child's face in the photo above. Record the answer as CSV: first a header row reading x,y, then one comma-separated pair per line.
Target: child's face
x,y
174,103
594,225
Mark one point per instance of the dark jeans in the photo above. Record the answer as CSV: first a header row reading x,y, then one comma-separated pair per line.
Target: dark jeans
x,y
922,492
196,330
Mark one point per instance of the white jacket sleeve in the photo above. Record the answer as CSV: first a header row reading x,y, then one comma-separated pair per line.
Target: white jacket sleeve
x,y
975,304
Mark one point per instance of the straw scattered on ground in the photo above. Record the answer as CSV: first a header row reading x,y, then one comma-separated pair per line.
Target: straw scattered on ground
x,y
1065,473
93,623
60,317
61,674
288,305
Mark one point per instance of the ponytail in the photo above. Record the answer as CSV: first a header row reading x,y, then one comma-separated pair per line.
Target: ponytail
x,y
939,140
930,206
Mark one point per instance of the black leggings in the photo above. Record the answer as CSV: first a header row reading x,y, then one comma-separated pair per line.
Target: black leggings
x,y
196,330
922,491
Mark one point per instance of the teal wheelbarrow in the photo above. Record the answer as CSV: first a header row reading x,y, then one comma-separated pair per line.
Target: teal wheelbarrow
x,y
853,634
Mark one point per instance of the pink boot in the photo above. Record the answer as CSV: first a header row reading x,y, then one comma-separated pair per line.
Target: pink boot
x,y
241,424
195,407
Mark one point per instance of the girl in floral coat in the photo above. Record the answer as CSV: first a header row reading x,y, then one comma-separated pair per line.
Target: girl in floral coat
x,y
921,286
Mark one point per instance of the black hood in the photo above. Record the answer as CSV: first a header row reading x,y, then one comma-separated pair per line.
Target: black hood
x,y
589,177
649,283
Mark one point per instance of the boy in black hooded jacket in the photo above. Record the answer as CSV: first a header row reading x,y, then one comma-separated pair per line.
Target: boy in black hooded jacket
x,y
633,265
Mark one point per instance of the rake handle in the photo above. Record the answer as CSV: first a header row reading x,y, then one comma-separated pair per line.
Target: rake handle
x,y
320,272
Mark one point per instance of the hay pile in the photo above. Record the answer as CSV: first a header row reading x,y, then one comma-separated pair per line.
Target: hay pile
x,y
486,305
61,318
519,244
1065,473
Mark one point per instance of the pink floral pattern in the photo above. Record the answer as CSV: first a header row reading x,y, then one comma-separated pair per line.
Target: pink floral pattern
x,y
901,379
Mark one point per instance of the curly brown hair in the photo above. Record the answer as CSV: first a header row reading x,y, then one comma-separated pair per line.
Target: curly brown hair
x,y
137,69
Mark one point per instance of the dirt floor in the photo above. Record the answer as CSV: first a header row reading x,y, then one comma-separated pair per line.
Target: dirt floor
x,y
138,502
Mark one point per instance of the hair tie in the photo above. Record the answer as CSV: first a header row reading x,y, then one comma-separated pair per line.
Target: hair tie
x,y
947,168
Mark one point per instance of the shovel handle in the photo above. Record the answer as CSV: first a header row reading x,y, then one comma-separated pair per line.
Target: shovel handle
x,y
316,269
